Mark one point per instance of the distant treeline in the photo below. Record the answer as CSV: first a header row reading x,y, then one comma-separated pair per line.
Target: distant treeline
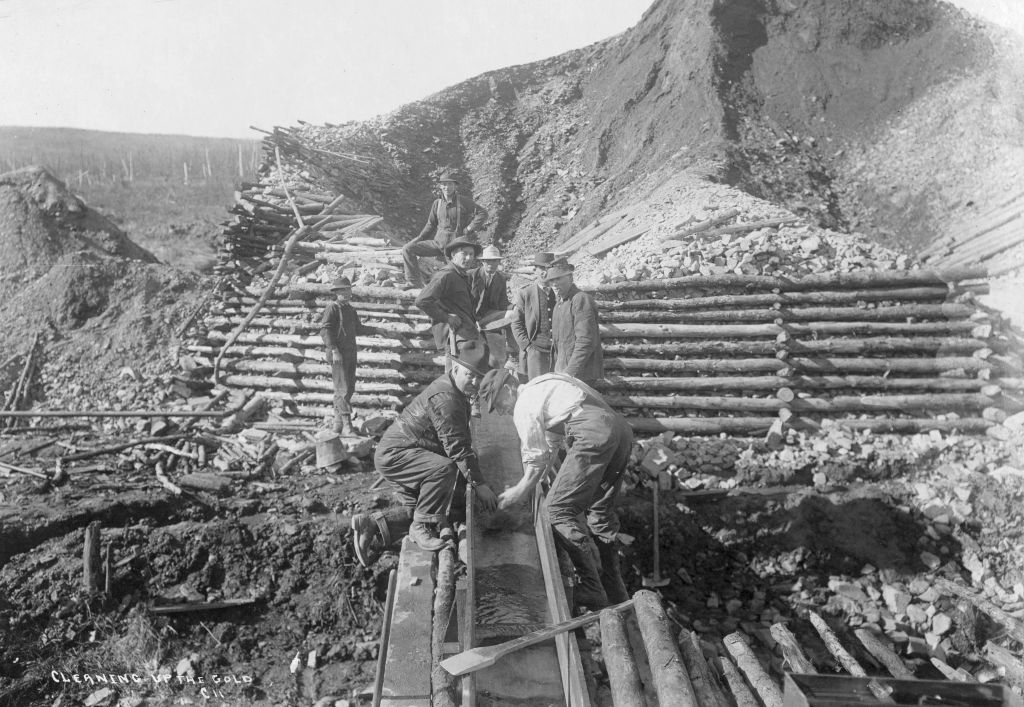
x,y
89,156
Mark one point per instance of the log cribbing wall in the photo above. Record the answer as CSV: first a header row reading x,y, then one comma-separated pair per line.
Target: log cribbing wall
x,y
890,351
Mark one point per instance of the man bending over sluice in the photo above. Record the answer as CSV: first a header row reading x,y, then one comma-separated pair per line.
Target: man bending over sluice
x,y
547,411
422,453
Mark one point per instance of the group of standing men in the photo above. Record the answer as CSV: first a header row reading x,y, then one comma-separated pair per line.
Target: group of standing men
x,y
569,435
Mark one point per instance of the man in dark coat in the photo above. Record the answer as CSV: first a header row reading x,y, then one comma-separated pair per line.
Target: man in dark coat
x,y
338,328
422,454
575,338
492,306
451,216
450,300
586,483
531,322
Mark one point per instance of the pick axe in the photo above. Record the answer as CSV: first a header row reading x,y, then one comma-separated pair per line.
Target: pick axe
x,y
658,457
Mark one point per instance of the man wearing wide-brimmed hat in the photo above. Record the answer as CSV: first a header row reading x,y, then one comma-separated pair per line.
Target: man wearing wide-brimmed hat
x,y
586,483
451,216
575,335
492,306
422,454
449,298
531,321
338,328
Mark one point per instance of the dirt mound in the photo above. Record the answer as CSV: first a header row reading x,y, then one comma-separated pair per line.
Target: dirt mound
x,y
40,220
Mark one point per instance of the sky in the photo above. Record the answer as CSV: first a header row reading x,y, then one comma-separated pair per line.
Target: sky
x,y
215,67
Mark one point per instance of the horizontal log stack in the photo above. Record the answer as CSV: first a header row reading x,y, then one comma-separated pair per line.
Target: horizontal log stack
x,y
889,350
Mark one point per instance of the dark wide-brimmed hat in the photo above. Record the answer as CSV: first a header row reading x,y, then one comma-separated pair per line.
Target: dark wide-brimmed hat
x,y
473,355
462,242
341,283
558,269
448,176
543,260
492,384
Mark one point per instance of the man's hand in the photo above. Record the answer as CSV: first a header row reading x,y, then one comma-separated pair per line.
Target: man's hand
x,y
454,321
511,497
487,497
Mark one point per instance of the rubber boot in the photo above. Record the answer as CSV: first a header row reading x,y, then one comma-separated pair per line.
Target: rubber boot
x,y
425,535
589,592
611,574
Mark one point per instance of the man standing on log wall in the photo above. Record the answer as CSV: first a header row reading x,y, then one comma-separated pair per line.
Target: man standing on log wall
x,y
575,336
338,329
422,453
547,410
451,216
492,306
531,323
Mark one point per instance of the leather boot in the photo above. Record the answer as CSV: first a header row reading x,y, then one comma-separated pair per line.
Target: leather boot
x,y
611,574
425,535
343,426
589,592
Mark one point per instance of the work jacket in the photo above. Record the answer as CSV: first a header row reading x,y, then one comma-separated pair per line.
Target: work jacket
x,y
448,219
450,292
532,321
576,340
437,420
339,327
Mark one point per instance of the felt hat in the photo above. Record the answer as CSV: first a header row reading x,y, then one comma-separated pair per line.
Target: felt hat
x,y
341,283
490,252
543,260
448,176
558,269
462,242
473,355
492,384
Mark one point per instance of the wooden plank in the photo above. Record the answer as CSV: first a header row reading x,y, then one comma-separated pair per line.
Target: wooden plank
x,y
570,663
407,671
615,239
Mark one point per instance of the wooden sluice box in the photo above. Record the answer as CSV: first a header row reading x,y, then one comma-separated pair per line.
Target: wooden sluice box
x,y
835,691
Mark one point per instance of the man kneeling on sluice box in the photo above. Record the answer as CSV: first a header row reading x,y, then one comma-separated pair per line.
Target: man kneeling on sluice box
x,y
422,453
548,410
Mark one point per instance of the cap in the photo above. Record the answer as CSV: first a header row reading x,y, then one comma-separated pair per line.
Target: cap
x,y
492,384
448,176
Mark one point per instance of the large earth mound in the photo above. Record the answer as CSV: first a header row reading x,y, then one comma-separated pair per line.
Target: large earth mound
x,y
889,117
100,310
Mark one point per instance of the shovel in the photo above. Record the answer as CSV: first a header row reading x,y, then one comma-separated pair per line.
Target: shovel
x,y
478,658
656,580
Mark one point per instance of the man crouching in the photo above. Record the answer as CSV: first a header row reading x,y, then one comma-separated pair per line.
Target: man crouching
x,y
547,410
422,454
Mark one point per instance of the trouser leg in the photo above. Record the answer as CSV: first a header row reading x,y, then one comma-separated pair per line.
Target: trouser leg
x,y
411,252
538,362
343,376
425,480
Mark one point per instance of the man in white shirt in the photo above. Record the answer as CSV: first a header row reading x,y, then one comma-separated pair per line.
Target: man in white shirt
x,y
546,411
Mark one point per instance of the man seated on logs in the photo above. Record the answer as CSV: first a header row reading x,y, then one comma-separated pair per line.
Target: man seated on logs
x,y
531,322
422,453
449,299
338,328
575,337
546,411
451,216
492,306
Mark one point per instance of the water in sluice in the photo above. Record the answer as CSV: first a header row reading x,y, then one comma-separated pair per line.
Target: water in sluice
x,y
510,594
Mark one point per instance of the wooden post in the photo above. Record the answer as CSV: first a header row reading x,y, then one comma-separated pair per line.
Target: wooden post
x,y
791,650
883,654
709,693
91,558
762,683
443,685
623,676
740,692
670,679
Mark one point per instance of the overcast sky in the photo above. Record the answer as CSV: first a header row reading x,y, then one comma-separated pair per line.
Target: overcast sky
x,y
214,67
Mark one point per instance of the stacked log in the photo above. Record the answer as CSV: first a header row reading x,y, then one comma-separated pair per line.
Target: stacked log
x,y
886,350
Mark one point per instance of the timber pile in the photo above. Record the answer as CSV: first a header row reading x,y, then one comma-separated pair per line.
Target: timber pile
x,y
745,351
985,239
